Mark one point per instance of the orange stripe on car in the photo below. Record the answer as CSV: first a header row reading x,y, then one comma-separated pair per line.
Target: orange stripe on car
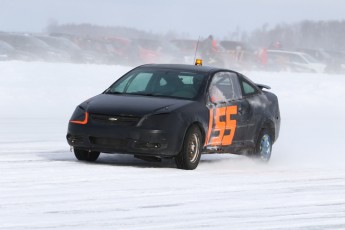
x,y
210,125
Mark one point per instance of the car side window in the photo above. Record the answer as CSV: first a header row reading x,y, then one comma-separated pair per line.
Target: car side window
x,y
224,87
247,88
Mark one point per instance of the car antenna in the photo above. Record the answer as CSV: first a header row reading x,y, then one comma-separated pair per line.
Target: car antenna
x,y
196,49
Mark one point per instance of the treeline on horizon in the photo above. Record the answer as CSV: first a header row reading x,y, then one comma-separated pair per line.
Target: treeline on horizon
x,y
328,35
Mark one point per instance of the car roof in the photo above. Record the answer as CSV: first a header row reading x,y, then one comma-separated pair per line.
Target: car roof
x,y
196,68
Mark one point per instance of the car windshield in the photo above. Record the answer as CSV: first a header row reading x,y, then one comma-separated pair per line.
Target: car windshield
x,y
159,83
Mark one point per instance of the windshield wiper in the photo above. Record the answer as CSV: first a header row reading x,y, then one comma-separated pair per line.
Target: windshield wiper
x,y
109,92
143,94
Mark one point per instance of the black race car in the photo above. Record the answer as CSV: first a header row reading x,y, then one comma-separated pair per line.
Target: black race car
x,y
177,111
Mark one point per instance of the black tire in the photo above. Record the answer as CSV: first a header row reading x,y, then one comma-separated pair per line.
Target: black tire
x,y
190,154
84,155
263,147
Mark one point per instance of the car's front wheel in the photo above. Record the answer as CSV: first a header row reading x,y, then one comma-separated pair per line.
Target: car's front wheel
x,y
190,154
84,155
263,148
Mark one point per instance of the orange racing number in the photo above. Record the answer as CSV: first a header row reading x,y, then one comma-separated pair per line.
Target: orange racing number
x,y
221,128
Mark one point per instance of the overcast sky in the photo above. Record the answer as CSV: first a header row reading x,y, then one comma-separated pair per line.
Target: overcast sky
x,y
203,17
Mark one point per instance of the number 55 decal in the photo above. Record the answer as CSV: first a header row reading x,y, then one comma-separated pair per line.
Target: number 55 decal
x,y
221,129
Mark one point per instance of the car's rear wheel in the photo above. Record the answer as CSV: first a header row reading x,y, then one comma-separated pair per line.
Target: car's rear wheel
x,y
190,154
263,148
84,155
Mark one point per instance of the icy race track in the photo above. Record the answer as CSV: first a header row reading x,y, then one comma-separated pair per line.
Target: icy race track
x,y
42,186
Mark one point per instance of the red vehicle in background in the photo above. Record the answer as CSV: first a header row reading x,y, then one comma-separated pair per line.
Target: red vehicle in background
x,y
120,49
154,51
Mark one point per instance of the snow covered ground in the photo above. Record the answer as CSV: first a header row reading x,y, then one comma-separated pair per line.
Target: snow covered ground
x,y
42,186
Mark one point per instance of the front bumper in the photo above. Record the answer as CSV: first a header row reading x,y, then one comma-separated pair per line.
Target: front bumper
x,y
117,139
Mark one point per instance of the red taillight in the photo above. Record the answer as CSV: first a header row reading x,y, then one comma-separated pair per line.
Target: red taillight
x,y
82,122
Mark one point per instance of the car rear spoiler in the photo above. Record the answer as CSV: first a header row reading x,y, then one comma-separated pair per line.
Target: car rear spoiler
x,y
261,86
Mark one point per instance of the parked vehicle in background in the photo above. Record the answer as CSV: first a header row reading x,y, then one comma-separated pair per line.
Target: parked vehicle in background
x,y
336,63
240,55
35,48
86,55
281,60
334,60
187,48
95,49
217,57
70,52
7,52
318,54
120,49
155,51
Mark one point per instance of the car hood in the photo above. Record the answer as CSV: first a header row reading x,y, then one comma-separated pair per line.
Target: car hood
x,y
132,105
